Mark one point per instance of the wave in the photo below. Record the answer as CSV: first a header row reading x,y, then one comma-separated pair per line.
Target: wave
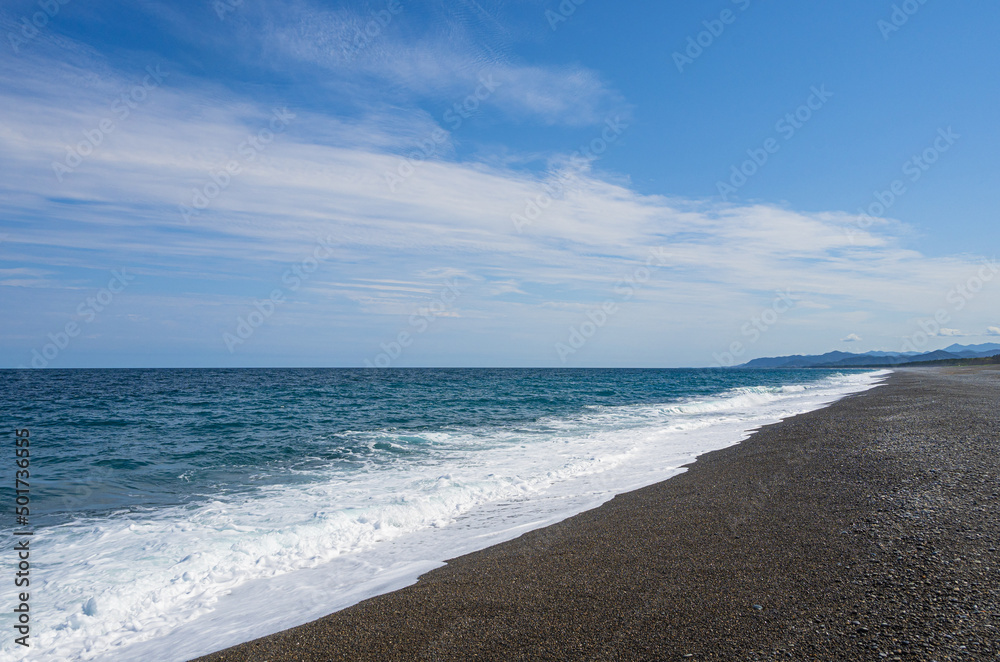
x,y
168,577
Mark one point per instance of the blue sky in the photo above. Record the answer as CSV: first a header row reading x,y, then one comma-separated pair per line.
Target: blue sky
x,y
533,183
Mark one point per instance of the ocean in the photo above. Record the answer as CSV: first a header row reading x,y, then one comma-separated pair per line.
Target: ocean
x,y
177,512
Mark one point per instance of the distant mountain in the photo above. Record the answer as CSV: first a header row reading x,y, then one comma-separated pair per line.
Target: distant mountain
x,y
989,360
797,361
869,359
984,347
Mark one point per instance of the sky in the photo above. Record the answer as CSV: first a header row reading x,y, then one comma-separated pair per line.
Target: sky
x,y
235,183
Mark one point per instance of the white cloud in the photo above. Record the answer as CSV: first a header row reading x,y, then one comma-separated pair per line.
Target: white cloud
x,y
955,333
993,330
325,177
501,287
447,59
851,337
125,198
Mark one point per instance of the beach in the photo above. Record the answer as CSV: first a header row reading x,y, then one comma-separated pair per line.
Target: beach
x,y
865,530
227,505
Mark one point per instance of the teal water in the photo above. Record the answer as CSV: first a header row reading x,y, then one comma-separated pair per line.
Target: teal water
x,y
151,438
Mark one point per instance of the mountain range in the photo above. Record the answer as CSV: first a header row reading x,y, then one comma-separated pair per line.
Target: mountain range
x,y
849,360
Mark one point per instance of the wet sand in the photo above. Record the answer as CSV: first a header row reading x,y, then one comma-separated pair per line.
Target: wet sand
x,y
863,531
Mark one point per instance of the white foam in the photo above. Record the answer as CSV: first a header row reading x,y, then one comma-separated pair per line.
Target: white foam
x,y
188,581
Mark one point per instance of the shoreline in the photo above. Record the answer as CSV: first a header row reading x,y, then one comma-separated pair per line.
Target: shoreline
x,y
628,447
794,541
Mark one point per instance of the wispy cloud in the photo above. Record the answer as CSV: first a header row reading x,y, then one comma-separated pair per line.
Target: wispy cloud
x,y
126,198
325,177
444,55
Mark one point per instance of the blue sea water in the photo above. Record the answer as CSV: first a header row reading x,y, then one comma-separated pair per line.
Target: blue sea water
x,y
158,494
